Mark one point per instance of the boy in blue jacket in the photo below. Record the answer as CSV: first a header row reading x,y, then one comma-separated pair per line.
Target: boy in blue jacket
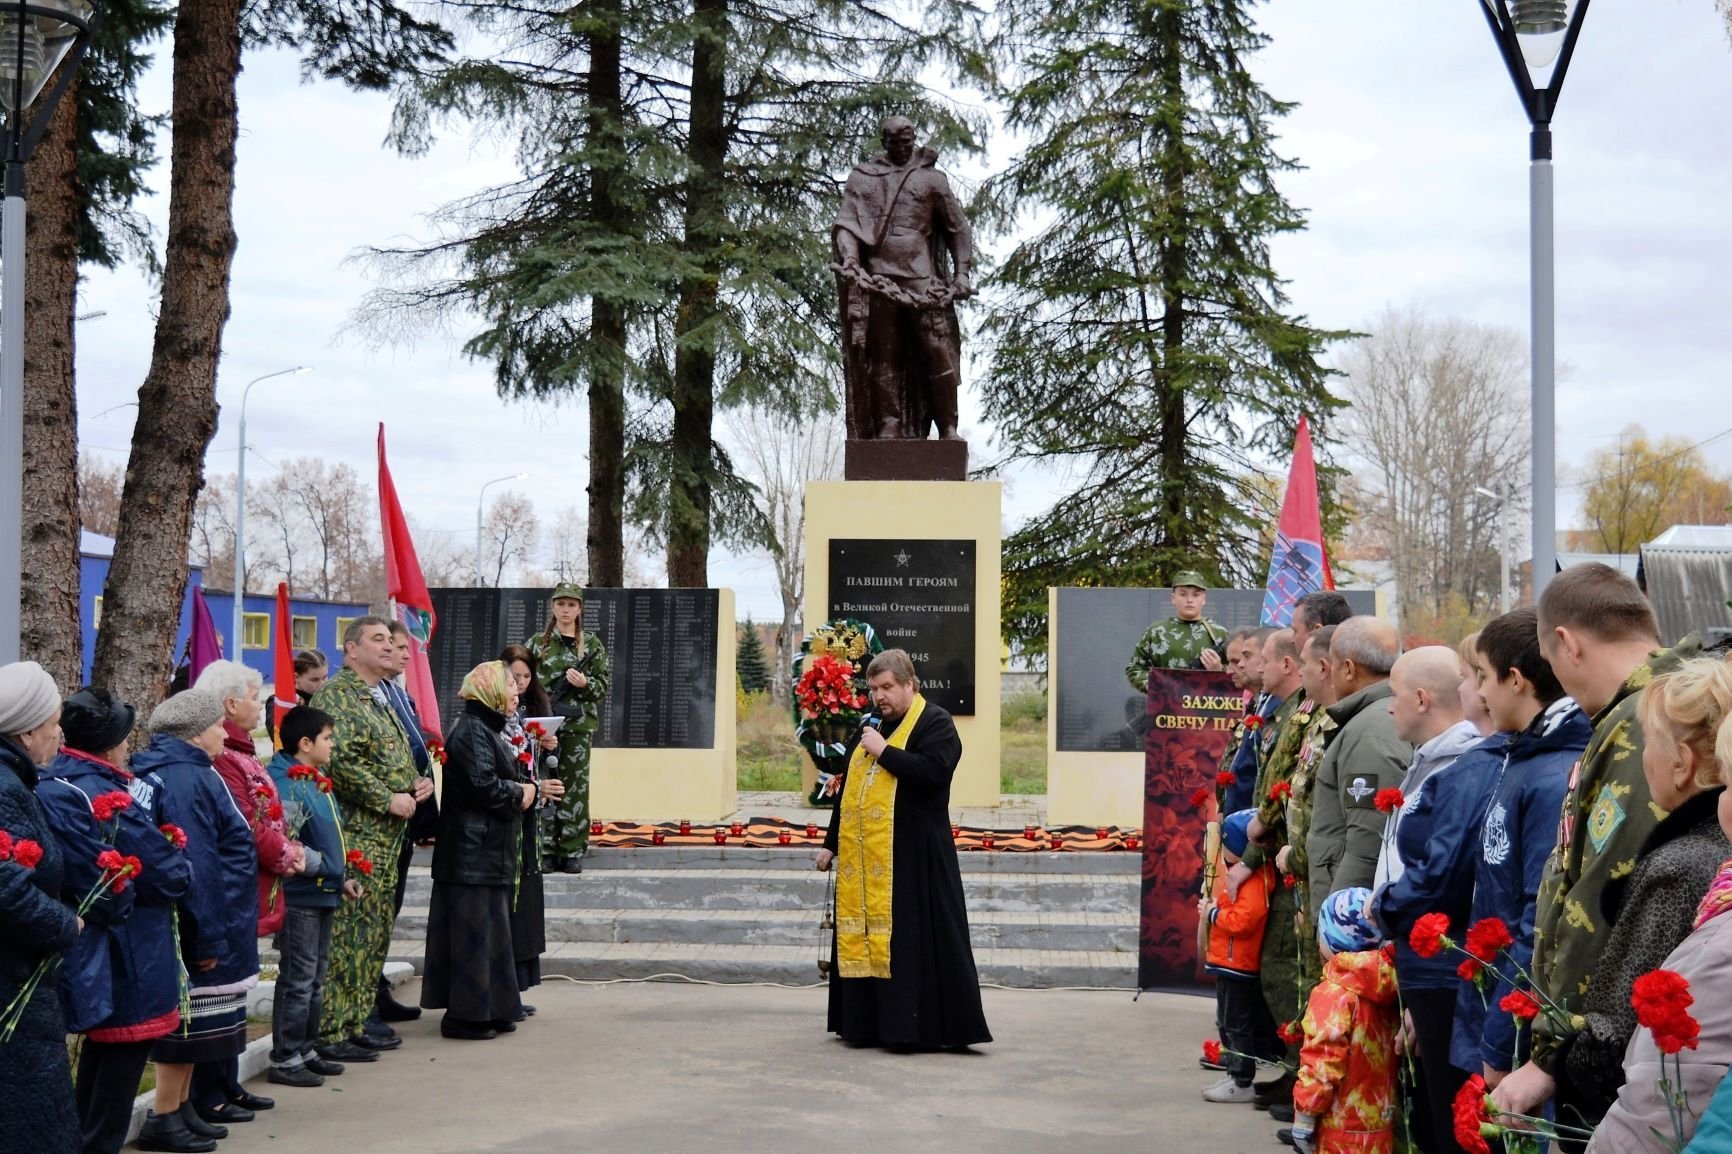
x,y
1545,733
312,898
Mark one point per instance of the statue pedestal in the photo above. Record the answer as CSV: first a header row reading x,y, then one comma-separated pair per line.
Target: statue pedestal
x,y
919,562
910,460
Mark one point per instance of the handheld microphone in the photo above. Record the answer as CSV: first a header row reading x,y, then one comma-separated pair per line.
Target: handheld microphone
x,y
871,721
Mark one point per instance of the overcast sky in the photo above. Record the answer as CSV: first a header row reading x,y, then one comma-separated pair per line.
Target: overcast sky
x,y
1416,189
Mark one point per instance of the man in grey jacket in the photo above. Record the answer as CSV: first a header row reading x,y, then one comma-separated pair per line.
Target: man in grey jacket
x,y
1363,756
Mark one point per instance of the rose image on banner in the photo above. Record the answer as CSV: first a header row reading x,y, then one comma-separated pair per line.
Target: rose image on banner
x,y
1191,718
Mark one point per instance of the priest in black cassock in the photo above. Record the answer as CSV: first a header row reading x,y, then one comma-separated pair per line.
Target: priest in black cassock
x,y
903,972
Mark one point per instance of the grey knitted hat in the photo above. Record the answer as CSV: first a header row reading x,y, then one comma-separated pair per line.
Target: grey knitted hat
x,y
187,714
28,697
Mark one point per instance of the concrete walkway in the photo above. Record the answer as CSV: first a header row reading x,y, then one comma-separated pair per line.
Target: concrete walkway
x,y
655,1069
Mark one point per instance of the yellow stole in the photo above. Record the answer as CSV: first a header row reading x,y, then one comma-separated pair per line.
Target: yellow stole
x,y
865,852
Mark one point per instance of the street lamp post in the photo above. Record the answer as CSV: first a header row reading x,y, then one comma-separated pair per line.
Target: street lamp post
x,y
480,502
1502,499
241,513
1537,38
35,39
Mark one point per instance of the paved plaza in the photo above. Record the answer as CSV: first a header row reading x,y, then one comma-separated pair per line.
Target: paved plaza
x,y
661,1068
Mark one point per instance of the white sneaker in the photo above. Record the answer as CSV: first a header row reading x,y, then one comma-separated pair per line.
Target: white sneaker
x,y
1226,1090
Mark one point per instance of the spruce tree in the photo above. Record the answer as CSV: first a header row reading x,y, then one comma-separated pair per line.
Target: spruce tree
x,y
749,667
1140,338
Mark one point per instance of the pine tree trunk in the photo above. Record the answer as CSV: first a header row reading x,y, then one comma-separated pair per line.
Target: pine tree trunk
x,y
607,383
177,408
694,356
48,607
1169,33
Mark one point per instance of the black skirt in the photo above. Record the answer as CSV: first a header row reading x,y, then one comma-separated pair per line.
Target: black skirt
x,y
216,1031
469,971
529,930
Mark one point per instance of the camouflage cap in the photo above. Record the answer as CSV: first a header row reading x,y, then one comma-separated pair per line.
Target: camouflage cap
x,y
1189,577
568,589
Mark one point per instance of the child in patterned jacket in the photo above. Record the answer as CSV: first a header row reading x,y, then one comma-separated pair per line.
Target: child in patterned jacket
x,y
1344,1102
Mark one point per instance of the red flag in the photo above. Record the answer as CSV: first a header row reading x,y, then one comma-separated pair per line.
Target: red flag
x,y
283,696
1299,563
407,589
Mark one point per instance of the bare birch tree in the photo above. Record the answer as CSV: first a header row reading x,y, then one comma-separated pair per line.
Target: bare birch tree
x,y
1438,410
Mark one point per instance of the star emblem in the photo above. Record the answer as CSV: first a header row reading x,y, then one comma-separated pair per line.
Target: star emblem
x,y
902,559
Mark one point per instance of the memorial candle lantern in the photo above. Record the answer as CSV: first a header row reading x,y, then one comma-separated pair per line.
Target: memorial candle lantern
x,y
811,831
955,832
1132,841
595,828
658,837
1029,832
784,836
736,829
986,841
685,827
721,837
1057,840
1101,832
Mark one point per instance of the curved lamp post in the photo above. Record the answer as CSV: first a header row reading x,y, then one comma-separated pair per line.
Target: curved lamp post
x,y
235,639
1537,39
479,503
36,37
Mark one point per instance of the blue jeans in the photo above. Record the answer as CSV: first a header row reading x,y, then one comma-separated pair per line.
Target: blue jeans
x,y
304,946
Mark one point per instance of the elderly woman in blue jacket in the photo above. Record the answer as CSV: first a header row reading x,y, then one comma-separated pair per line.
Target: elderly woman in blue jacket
x,y
120,986
218,916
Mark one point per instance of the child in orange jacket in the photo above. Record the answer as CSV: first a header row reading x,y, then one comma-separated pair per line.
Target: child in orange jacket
x,y
1235,955
1344,1102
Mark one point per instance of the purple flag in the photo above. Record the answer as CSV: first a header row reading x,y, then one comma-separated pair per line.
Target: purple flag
x,y
203,646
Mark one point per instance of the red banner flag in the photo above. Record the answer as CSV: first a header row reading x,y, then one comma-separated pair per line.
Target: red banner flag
x,y
1299,563
407,589
283,697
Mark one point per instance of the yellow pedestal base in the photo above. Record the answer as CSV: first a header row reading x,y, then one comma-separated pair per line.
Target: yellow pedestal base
x,y
924,510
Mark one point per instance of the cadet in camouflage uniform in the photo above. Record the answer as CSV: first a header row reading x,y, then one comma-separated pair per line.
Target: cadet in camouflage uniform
x,y
572,667
373,776
1177,642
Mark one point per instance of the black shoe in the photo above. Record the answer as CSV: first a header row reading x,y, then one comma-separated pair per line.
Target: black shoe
x,y
369,1042
1274,1086
168,1132
1208,1065
375,1027
194,1120
219,1116
1284,1135
522,1014
252,1101
504,1025
571,865
389,1009
323,1067
297,1076
345,1052
467,1031
528,1011
1281,1111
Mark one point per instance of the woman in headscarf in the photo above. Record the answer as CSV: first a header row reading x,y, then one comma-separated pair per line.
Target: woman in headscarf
x,y
528,907
469,969
35,1078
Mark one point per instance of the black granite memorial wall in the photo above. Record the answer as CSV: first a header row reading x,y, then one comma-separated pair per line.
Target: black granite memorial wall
x,y
920,596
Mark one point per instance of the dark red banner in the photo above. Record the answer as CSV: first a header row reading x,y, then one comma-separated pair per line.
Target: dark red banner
x,y
1190,719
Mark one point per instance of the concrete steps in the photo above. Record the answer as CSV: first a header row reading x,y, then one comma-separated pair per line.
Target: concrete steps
x,y
745,914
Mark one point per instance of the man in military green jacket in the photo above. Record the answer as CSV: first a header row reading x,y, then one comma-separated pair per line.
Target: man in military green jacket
x,y
1363,756
1187,641
572,666
373,776
1599,634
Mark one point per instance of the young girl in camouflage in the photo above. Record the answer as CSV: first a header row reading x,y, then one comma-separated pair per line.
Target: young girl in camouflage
x,y
572,667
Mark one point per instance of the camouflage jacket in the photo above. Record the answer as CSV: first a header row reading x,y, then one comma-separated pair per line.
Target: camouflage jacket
x,y
1281,748
1607,816
372,760
1171,644
1317,729
554,654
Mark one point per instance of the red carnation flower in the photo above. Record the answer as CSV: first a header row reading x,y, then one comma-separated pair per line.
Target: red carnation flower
x,y
1661,1000
275,812
1489,937
1470,970
1521,1004
359,860
106,805
1225,778
263,792
1281,791
299,772
1289,880
1471,1116
1291,1032
1201,797
131,867
1212,1050
26,853
1389,800
1253,721
5,845
1430,935
324,783
176,836
109,861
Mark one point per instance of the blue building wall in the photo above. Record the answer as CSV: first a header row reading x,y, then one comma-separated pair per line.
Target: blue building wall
x,y
96,552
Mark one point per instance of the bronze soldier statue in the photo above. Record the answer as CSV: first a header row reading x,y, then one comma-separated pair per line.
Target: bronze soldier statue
x,y
903,250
